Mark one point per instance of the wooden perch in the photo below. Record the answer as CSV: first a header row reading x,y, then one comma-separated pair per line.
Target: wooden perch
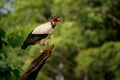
x,y
36,65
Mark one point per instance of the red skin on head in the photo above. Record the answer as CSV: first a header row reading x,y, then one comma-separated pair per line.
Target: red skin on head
x,y
55,20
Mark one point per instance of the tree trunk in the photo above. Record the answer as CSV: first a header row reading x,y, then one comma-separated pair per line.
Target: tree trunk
x,y
36,65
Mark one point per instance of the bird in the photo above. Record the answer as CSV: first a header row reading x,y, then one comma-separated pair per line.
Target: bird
x,y
40,33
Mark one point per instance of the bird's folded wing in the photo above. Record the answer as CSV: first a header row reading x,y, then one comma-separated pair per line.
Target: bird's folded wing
x,y
33,38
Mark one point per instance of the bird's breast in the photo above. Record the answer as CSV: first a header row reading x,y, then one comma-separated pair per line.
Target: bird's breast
x,y
51,31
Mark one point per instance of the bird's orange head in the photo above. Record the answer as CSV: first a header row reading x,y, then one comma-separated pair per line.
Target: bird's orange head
x,y
56,19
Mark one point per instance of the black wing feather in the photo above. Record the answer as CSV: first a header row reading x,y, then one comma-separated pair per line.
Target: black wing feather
x,y
32,39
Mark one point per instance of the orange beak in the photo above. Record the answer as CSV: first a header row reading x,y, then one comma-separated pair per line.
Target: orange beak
x,y
58,19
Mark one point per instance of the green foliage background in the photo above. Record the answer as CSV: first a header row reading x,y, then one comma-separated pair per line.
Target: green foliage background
x,y
86,41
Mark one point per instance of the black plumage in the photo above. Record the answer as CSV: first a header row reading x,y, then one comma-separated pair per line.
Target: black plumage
x,y
32,39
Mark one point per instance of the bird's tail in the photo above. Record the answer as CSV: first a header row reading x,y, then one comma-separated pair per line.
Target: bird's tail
x,y
24,46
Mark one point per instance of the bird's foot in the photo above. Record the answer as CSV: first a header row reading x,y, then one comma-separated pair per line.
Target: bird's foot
x,y
41,51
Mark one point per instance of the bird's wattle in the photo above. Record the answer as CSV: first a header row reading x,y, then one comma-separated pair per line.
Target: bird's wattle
x,y
58,19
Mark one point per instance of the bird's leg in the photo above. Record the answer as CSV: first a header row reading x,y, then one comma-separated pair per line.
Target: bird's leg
x,y
42,48
51,40
42,44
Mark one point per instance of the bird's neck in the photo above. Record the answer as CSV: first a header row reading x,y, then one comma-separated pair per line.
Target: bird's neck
x,y
53,24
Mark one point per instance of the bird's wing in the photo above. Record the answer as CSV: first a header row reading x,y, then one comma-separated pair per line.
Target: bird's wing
x,y
33,38
39,33
43,29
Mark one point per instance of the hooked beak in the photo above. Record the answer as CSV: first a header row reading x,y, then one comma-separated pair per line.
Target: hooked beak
x,y
58,19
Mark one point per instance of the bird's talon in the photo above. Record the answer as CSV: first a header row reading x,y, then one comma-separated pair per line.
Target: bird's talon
x,y
41,51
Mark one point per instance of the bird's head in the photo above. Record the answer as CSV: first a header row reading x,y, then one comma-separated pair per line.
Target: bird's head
x,y
56,19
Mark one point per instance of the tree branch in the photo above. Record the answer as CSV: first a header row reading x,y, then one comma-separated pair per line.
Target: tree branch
x,y
36,65
110,16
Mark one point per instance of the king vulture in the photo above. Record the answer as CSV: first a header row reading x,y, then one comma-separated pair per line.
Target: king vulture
x,y
39,34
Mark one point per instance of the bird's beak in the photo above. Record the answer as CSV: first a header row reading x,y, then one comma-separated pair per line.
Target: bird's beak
x,y
58,19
